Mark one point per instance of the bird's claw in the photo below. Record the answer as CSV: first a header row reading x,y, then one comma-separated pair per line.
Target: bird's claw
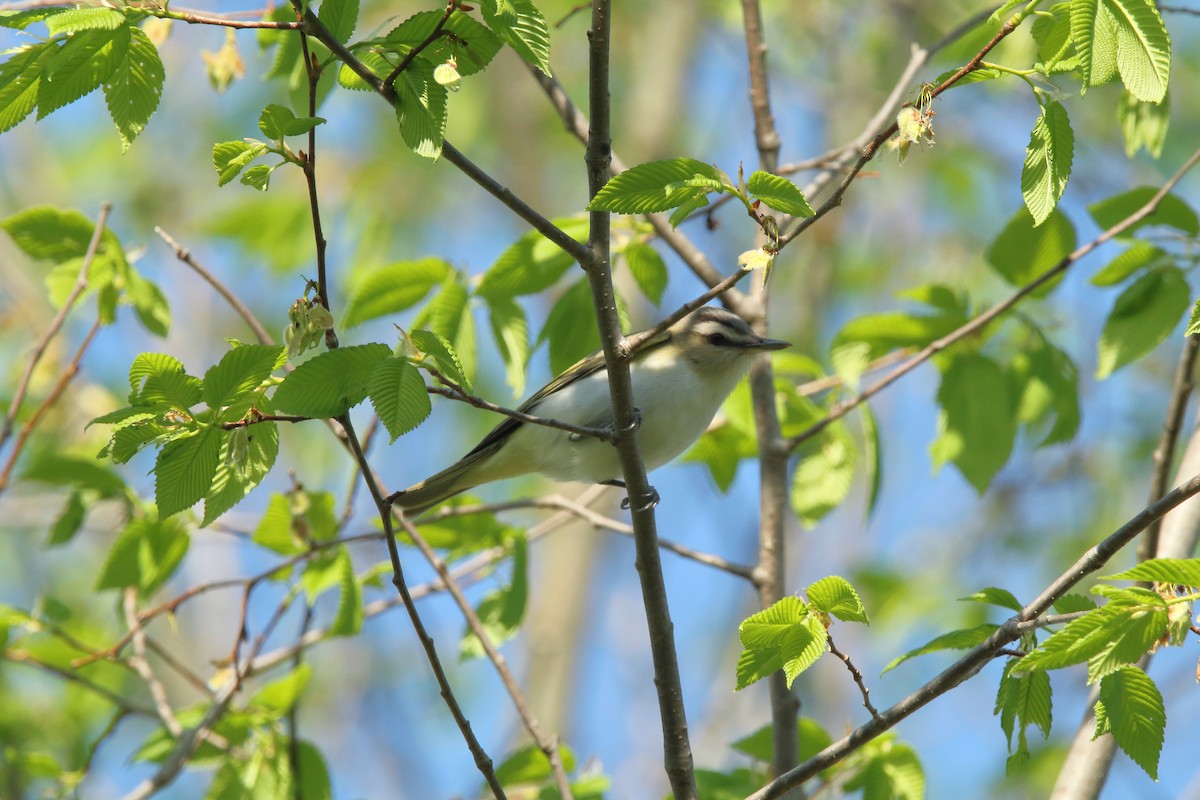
x,y
651,500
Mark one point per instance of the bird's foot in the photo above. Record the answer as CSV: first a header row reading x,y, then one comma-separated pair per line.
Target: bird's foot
x,y
650,500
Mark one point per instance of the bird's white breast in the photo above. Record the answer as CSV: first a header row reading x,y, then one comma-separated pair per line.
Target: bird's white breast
x,y
677,405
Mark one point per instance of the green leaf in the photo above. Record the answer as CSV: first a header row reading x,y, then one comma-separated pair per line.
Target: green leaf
x,y
20,80
522,26
995,596
779,193
278,121
66,524
1023,701
1183,571
1171,211
532,264
448,315
530,765
398,395
1095,633
83,19
889,770
1139,255
150,304
145,554
1047,161
258,176
83,62
331,383
240,470
721,449
1131,638
655,186
502,610
185,470
1024,251
1049,384
1142,317
133,91
977,422
1070,603
421,110
1052,32
1143,123
510,331
834,595
239,373
230,158
784,636
160,378
892,330
437,348
470,43
349,617
873,461
1135,715
1143,48
50,234
648,269
279,696
391,289
61,469
823,478
275,529
1094,34
340,17
962,639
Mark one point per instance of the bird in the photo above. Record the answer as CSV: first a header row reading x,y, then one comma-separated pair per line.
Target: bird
x,y
680,379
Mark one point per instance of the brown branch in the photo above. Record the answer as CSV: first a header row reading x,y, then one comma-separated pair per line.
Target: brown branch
x,y
185,255
971,663
979,322
766,136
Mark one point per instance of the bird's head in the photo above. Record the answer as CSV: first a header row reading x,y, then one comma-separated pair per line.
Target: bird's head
x,y
712,337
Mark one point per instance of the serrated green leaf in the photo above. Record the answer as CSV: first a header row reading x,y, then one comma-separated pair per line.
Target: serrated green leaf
x,y
421,109
655,186
823,478
340,17
1130,639
278,121
229,158
779,193
1048,161
892,330
437,348
84,19
185,470
469,42
648,269
531,264
1143,48
1171,211
331,383
377,64
51,234
1135,715
145,554
20,80
160,378
1183,571
1142,317
240,473
349,617
511,334
834,595
1052,32
240,372
133,91
890,770
1022,701
993,595
258,177
83,62
1092,634
391,289
1070,603
1024,251
977,422
1137,256
784,636
962,639
721,449
1094,35
522,26
398,395
1143,123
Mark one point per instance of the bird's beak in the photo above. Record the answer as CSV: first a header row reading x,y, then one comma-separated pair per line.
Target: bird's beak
x,y
768,344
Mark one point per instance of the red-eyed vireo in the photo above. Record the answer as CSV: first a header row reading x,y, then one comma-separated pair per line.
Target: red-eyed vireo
x,y
679,381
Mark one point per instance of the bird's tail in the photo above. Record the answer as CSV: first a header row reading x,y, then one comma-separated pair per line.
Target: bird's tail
x,y
453,480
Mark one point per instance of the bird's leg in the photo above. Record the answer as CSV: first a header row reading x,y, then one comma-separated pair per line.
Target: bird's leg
x,y
651,496
610,428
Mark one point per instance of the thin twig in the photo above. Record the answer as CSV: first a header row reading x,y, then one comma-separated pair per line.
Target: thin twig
x,y
139,662
437,33
453,391
18,656
212,280
857,675
979,322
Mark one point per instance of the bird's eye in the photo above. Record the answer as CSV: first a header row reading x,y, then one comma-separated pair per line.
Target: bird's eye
x,y
718,339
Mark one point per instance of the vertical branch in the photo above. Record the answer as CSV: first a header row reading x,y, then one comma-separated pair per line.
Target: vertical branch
x,y
677,749
770,571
